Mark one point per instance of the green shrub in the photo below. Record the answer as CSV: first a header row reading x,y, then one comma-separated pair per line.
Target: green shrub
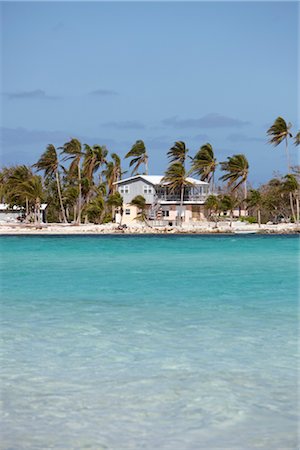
x,y
249,219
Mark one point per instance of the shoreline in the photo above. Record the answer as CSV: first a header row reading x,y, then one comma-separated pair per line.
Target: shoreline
x,y
208,228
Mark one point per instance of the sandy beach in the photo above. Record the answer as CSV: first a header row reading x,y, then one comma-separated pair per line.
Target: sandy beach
x,y
112,228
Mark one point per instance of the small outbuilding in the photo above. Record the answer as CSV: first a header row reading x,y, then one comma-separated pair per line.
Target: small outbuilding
x,y
16,214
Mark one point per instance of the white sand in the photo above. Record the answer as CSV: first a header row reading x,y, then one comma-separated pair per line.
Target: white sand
x,y
112,228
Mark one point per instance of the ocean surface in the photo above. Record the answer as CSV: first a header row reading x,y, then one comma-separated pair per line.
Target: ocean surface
x,y
149,342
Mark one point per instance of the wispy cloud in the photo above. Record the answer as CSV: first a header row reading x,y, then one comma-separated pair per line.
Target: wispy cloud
x,y
212,120
125,125
37,94
240,137
24,145
103,93
23,136
10,137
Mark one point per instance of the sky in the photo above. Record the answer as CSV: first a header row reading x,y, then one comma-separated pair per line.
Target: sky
x,y
111,73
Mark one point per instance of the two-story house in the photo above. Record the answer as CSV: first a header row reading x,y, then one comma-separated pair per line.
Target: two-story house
x,y
163,204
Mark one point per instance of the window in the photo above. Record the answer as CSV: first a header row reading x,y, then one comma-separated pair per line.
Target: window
x,y
124,189
166,213
127,212
147,189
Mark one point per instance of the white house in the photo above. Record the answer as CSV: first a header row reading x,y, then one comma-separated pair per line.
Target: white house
x,y
163,204
15,214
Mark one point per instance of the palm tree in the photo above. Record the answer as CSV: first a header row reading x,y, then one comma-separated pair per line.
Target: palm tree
x,y
14,193
33,189
139,154
95,209
178,152
115,200
255,200
228,203
204,164
49,163
140,202
113,173
212,205
237,168
176,179
73,152
297,139
280,131
94,158
291,186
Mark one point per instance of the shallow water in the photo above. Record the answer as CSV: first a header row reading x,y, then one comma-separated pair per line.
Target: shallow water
x,y
123,342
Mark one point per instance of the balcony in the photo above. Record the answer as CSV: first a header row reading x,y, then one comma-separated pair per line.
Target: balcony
x,y
174,198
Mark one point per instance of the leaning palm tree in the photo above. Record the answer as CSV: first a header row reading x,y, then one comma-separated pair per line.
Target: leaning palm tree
x,y
297,139
73,151
291,186
112,173
94,158
16,176
228,203
213,206
237,168
178,153
140,202
115,200
279,132
49,163
139,156
33,189
176,179
204,164
255,201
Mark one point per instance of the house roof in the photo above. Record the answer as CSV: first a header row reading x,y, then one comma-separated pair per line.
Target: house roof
x,y
156,180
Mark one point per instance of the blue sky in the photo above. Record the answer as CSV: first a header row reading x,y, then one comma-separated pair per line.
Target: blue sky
x,y
114,72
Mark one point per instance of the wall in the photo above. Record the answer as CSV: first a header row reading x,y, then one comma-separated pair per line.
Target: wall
x,y
136,187
128,219
10,216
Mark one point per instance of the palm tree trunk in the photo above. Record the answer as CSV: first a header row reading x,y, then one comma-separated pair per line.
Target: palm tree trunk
x,y
213,182
287,154
79,196
27,209
146,166
181,204
60,198
259,218
74,213
297,209
245,195
37,212
292,206
230,215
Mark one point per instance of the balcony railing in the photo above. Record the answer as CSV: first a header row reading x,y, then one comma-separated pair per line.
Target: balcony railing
x,y
186,198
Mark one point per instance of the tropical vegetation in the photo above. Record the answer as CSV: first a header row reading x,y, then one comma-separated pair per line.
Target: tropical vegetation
x,y
78,182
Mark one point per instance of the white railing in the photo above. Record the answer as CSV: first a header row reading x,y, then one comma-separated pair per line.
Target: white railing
x,y
186,198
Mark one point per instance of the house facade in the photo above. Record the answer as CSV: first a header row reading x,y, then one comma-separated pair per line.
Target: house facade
x,y
163,204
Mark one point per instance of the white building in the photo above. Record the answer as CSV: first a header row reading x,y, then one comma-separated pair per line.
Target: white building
x,y
163,204
16,214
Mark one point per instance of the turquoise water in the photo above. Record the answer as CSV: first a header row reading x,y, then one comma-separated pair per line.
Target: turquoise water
x,y
143,342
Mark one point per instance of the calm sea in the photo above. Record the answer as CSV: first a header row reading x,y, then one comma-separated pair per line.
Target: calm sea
x,y
167,343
